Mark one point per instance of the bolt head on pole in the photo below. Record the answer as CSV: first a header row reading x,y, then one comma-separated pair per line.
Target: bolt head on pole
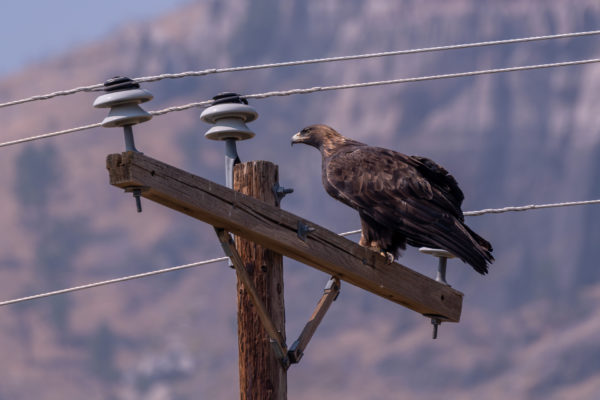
x,y
123,98
229,115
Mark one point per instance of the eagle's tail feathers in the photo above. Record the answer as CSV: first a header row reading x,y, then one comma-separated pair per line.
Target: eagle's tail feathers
x,y
477,253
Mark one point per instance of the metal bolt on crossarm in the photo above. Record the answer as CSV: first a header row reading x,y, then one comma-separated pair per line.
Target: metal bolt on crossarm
x,y
123,98
443,257
229,114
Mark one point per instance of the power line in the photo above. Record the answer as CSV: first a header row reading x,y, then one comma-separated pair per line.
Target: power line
x,y
362,56
99,124
323,89
510,209
111,281
210,71
418,79
49,135
204,103
530,207
47,96
220,259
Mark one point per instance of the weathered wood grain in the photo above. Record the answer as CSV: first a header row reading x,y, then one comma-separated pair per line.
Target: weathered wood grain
x,y
276,229
262,373
329,295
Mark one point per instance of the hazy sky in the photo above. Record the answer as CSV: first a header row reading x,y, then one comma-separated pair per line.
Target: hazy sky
x,y
31,30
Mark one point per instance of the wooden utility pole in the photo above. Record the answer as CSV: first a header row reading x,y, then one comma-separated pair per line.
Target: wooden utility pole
x,y
262,374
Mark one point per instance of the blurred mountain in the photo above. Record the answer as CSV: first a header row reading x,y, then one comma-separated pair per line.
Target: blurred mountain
x,y
528,329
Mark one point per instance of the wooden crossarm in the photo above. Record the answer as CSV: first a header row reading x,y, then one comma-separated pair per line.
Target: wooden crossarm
x,y
277,230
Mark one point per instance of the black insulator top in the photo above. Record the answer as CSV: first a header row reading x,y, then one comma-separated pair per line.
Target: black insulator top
x,y
228,97
119,83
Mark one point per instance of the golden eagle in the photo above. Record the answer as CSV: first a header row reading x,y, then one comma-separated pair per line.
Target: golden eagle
x,y
400,199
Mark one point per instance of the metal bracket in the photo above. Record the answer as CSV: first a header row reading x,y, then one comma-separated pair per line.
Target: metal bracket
x,y
231,159
129,140
280,192
330,294
279,345
303,230
282,357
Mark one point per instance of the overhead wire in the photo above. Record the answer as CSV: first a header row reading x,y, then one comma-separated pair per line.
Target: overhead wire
x,y
184,107
112,281
99,124
90,88
529,207
315,89
510,209
418,79
363,56
51,134
220,259
210,71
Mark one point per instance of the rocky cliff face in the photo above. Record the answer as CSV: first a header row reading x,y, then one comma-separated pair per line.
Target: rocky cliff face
x,y
529,328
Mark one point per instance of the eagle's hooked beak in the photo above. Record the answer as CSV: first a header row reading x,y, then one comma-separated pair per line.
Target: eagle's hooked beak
x,y
297,138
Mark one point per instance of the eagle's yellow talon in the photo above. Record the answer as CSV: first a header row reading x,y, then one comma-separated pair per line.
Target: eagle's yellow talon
x,y
389,257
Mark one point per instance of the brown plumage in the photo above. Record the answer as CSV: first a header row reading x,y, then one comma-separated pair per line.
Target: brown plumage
x,y
400,199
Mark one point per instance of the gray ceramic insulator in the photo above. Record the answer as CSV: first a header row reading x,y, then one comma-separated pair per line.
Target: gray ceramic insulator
x,y
443,257
124,107
229,120
436,252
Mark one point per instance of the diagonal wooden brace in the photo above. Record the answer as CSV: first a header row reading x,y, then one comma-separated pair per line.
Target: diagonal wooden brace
x,y
278,343
330,294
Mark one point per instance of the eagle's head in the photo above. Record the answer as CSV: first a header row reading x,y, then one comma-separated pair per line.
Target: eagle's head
x,y
319,136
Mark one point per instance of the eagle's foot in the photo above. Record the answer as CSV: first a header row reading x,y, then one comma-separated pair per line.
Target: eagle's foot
x,y
389,257
373,246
